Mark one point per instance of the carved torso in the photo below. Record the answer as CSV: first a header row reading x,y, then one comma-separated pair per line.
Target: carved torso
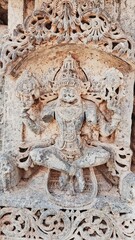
x,y
70,117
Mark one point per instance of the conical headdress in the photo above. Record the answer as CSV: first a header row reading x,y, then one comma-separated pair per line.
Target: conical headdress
x,y
71,75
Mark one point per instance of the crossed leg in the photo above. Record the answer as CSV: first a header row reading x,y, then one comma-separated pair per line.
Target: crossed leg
x,y
49,157
93,156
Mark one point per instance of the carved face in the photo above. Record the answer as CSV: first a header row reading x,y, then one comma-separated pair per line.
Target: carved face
x,y
69,95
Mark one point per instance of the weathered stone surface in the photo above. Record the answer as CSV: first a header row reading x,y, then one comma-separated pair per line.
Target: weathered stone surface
x,y
4,4
52,25
127,17
15,13
105,220
67,90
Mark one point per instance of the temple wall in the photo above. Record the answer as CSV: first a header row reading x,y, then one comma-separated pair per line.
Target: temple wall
x,y
67,119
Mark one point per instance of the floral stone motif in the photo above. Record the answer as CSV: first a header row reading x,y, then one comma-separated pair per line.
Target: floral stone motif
x,y
65,164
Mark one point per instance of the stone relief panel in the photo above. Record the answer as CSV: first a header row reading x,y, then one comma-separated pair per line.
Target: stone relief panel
x,y
70,123
65,164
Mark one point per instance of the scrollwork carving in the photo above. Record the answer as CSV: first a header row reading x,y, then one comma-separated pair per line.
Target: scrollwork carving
x,y
66,224
66,22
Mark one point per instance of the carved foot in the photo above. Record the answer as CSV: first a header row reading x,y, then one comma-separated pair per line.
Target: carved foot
x,y
63,180
78,173
71,190
80,179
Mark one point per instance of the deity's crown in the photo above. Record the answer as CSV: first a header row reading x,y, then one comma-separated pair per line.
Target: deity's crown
x,y
70,74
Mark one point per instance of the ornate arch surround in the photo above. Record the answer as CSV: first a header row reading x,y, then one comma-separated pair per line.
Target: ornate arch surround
x,y
66,22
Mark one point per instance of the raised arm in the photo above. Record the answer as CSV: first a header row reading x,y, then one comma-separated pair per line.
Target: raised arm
x,y
96,120
38,125
48,114
106,128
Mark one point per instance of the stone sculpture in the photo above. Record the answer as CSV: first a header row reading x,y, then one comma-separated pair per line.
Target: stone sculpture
x,y
65,167
69,154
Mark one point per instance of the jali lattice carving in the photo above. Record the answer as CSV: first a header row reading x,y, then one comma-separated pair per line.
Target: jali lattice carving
x,y
66,224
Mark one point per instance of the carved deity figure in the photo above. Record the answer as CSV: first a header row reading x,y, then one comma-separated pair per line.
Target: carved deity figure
x,y
70,154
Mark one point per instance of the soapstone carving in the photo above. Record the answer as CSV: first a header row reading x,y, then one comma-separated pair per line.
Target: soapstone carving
x,y
65,162
69,152
85,123
109,221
